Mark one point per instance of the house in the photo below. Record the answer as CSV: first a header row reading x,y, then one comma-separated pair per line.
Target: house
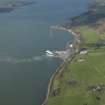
x,y
83,51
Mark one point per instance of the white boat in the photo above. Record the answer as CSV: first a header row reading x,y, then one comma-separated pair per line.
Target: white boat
x,y
49,53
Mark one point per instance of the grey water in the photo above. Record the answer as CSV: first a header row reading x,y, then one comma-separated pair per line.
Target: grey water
x,y
24,37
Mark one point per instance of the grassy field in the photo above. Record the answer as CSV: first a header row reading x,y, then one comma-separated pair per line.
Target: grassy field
x,y
83,80
89,34
85,71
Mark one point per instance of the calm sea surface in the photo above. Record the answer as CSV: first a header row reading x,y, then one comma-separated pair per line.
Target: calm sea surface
x,y
24,37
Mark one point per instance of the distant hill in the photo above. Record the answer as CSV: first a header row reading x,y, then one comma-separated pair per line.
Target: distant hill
x,y
93,16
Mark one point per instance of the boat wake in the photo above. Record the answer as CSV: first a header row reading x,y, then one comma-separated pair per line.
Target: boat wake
x,y
16,60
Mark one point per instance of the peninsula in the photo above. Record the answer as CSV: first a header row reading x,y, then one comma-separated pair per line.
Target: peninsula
x,y
10,6
81,79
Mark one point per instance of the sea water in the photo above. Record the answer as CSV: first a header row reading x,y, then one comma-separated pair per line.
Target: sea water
x,y
24,37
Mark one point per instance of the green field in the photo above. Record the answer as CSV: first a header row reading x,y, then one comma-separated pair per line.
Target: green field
x,y
89,34
83,80
86,73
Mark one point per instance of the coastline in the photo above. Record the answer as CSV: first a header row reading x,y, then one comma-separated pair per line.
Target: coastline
x,y
77,37
60,68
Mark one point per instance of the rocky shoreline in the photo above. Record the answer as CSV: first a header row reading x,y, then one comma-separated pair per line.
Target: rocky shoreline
x,y
62,67
58,71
